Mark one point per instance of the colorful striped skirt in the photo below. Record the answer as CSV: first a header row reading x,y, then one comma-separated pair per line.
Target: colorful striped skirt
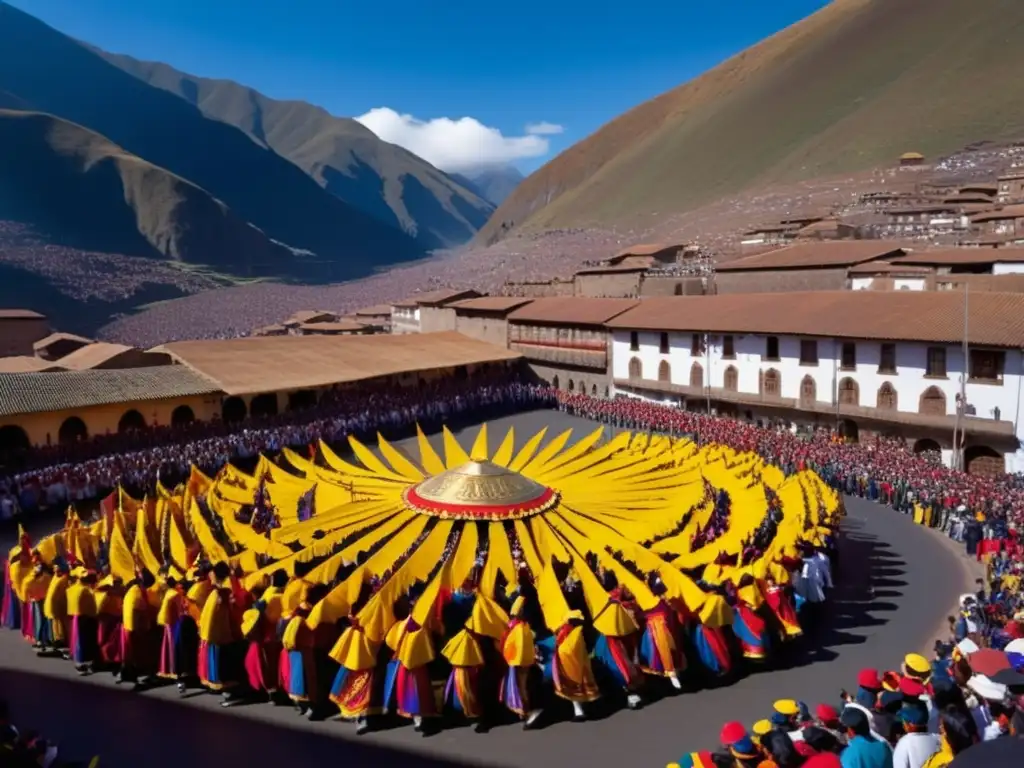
x,y
357,693
83,640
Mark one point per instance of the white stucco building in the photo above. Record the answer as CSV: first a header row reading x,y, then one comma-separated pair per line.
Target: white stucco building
x,y
884,362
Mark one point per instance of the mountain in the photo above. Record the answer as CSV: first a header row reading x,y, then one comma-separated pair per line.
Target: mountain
x,y
342,155
847,89
492,184
46,71
88,192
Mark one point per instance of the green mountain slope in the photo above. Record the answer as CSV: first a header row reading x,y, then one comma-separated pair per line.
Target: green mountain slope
x,y
342,155
49,72
86,191
849,88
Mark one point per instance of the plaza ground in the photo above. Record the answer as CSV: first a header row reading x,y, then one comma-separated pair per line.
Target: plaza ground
x,y
897,582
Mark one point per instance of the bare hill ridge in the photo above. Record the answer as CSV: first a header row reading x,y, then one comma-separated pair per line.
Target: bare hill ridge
x,y
49,72
849,88
85,190
342,155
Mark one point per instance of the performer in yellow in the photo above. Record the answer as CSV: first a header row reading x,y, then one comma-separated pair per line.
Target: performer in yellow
x,y
358,688
520,689
216,635
138,650
169,618
82,615
37,584
568,665
55,609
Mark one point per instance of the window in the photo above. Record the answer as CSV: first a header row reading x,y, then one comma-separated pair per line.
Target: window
x,y
696,376
887,360
636,370
732,379
808,393
886,399
936,366
663,345
728,348
634,341
849,358
771,383
986,365
696,345
849,392
932,402
808,352
771,348
664,371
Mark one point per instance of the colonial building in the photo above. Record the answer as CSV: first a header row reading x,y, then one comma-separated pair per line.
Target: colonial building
x,y
888,362
804,266
1011,186
565,341
486,317
1006,222
427,312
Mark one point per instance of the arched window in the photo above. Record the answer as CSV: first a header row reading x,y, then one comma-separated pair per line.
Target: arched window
x,y
927,445
771,383
887,399
985,461
932,403
14,444
72,431
808,392
593,390
849,392
182,415
572,385
664,371
636,369
132,421
732,379
233,410
697,375
555,382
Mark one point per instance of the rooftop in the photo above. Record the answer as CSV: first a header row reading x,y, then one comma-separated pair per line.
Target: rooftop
x,y
927,316
279,363
888,268
437,298
815,255
647,249
53,338
100,353
20,314
498,304
957,256
26,364
376,309
338,326
1009,212
571,310
68,390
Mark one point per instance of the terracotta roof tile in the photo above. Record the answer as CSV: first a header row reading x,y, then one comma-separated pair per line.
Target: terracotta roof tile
x,y
276,363
648,249
1009,212
954,256
576,310
442,296
20,314
68,390
887,268
811,255
53,338
26,364
930,316
339,326
502,304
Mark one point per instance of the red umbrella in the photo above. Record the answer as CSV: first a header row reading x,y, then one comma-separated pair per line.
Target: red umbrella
x,y
988,662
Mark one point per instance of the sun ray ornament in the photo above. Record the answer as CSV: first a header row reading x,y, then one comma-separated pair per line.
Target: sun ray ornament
x,y
652,543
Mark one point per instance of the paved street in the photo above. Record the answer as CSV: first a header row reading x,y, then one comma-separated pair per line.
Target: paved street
x,y
897,583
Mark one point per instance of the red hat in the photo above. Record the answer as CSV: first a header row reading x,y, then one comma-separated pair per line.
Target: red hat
x,y
891,681
911,688
733,732
827,713
869,679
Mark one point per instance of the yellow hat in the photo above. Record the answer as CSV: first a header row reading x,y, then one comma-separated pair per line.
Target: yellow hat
x,y
761,727
917,664
786,707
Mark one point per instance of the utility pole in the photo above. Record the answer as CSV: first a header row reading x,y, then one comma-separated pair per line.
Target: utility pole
x,y
707,375
961,400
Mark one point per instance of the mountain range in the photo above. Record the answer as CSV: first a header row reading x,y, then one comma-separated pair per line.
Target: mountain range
x,y
104,152
849,88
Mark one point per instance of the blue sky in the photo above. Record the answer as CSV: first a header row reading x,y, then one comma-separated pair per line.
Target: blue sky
x,y
570,63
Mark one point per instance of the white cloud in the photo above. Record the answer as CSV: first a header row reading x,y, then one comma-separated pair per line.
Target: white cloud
x,y
457,145
544,129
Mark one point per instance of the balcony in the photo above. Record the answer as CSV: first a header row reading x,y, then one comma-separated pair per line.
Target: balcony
x,y
577,355
970,424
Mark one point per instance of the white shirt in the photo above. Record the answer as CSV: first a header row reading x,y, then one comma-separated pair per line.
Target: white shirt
x,y
914,749
821,559
813,582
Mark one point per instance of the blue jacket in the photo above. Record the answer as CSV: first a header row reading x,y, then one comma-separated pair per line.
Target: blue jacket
x,y
866,753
